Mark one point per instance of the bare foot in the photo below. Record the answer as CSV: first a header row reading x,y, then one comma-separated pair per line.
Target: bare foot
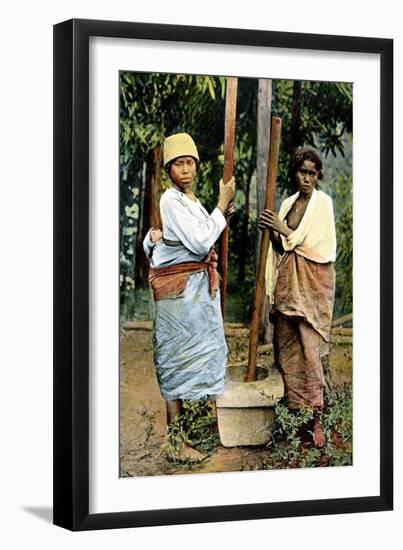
x,y
185,453
319,437
336,440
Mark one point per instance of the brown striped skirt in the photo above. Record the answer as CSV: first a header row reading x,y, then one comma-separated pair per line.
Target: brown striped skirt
x,y
302,315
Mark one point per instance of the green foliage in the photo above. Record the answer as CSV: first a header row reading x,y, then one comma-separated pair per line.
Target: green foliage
x,y
325,118
196,426
326,115
138,305
243,225
288,447
344,231
239,299
338,413
337,183
288,425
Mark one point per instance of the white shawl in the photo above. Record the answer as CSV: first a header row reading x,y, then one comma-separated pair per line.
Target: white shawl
x,y
314,238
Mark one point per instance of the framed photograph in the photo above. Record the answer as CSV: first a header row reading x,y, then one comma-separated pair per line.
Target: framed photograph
x,y
191,386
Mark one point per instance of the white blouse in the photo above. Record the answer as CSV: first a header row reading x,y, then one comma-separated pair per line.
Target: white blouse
x,y
187,222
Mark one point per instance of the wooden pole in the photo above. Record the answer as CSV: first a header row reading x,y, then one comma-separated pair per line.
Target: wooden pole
x,y
229,146
275,138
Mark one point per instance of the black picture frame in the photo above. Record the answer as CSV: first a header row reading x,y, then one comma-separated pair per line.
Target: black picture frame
x,y
71,273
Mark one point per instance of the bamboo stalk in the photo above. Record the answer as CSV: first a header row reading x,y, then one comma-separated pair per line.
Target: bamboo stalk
x,y
229,146
275,138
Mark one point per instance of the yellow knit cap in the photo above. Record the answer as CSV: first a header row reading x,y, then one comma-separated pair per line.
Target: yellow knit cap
x,y
179,145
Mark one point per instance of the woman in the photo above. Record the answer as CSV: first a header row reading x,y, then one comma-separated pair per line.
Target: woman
x,y
190,352
300,280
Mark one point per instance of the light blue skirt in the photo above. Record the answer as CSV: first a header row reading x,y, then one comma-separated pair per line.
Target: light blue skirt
x,y
190,351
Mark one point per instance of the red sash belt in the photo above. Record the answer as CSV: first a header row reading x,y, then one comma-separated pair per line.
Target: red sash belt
x,y
170,282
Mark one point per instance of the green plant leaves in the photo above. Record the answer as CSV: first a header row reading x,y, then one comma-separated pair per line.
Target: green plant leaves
x,y
287,448
196,425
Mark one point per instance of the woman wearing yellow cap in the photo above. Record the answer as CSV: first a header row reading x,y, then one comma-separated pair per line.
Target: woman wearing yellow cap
x,y
190,352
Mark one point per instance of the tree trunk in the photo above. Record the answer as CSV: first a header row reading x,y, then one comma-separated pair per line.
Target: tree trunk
x,y
140,266
137,244
148,211
245,222
263,141
156,189
264,246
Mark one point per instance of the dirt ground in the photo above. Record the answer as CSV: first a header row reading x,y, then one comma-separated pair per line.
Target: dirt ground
x,y
142,409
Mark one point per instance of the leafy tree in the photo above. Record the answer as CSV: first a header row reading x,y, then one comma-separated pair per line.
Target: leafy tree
x,y
316,114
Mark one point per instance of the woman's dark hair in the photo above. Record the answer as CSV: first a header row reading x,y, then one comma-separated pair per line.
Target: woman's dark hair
x,y
167,167
302,154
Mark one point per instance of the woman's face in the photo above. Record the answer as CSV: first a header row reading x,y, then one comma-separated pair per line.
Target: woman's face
x,y
306,177
182,172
